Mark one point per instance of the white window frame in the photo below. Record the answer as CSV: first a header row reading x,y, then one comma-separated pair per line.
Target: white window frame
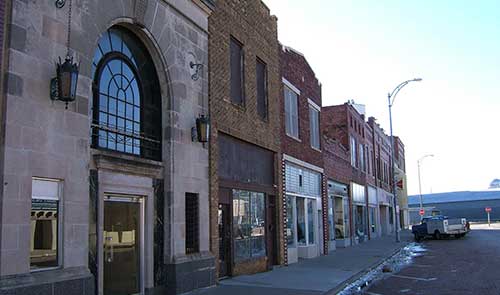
x,y
361,156
353,148
294,220
289,117
306,221
314,125
60,218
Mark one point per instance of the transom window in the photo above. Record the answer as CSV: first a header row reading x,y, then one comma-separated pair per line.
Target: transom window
x,y
127,100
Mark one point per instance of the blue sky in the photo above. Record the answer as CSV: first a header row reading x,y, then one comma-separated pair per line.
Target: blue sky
x,y
362,49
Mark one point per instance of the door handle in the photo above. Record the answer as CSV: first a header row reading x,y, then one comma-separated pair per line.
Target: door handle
x,y
110,253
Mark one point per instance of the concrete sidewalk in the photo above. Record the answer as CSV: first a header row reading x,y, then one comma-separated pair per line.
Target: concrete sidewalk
x,y
324,274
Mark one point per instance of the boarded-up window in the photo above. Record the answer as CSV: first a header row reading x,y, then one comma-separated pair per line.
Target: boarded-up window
x,y
261,74
291,113
237,95
244,162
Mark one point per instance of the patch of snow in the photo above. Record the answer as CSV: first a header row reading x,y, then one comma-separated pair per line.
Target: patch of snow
x,y
396,262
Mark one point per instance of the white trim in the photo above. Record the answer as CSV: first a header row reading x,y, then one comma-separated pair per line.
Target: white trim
x,y
290,85
293,137
60,221
316,149
284,48
302,163
314,105
301,196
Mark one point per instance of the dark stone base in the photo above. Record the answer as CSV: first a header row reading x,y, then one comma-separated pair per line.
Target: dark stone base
x,y
71,281
186,274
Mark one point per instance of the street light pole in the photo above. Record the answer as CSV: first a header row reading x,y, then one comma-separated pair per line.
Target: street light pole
x,y
419,180
391,96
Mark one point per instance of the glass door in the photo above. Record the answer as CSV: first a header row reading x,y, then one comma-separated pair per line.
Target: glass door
x,y
224,223
122,271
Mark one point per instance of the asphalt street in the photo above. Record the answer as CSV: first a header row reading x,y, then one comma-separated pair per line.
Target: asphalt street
x,y
470,265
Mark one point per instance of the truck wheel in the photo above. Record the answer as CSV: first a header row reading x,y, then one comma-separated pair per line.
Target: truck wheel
x,y
437,235
417,237
457,236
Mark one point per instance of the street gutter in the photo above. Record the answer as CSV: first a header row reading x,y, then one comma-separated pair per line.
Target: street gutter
x,y
365,271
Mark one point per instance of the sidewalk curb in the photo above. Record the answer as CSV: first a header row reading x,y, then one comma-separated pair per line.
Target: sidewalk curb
x,y
361,273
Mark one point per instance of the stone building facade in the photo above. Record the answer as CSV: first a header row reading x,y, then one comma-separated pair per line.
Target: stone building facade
x,y
245,143
304,181
116,180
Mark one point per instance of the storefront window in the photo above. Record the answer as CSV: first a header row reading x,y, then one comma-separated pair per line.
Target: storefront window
x,y
372,219
44,224
339,222
290,229
346,219
301,221
359,215
248,224
331,220
310,220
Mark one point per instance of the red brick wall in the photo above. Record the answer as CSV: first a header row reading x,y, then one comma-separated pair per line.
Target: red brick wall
x,y
381,145
336,161
399,152
295,69
370,174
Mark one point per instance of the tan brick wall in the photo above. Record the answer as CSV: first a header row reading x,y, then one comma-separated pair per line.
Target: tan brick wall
x,y
251,24
250,267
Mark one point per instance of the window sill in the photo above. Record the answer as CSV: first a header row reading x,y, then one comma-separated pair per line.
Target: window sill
x,y
240,107
293,137
316,149
38,270
249,260
126,163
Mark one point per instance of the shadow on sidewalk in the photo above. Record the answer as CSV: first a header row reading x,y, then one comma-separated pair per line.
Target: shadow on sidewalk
x,y
316,275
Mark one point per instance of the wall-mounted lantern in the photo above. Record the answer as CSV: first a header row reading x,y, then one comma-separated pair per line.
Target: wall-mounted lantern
x,y
63,86
202,129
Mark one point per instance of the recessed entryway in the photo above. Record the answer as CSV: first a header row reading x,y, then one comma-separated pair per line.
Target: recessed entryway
x,y
123,245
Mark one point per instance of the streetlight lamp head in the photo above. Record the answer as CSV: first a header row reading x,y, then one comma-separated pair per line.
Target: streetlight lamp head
x,y
417,79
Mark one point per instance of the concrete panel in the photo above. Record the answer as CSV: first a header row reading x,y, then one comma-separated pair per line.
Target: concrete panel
x,y
10,236
11,187
14,262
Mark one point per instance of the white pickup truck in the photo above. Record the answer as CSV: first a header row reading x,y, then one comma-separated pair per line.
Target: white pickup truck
x,y
440,226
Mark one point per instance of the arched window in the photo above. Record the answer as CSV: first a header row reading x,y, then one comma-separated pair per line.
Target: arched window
x,y
127,98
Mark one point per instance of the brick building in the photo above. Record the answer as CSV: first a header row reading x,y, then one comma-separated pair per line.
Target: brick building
x,y
385,197
371,185
338,171
245,232
346,125
303,177
401,185
109,193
